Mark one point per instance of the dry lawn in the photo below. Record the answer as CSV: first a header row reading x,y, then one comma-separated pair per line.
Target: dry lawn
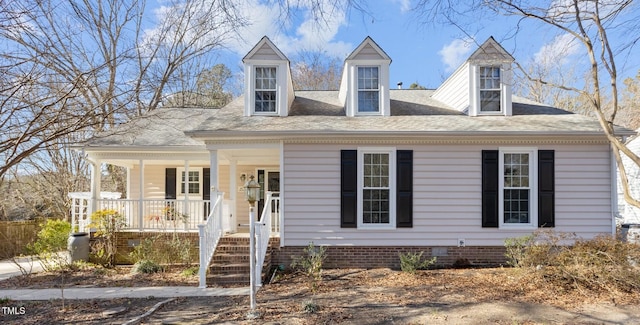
x,y
349,296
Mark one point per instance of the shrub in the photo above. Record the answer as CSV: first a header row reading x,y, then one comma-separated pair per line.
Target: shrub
x,y
162,251
146,267
51,240
311,264
411,262
599,264
107,224
191,271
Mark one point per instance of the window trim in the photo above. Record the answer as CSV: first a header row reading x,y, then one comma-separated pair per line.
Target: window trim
x,y
357,92
500,89
391,151
533,187
255,89
179,194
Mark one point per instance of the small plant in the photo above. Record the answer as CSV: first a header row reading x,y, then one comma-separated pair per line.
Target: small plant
x,y
411,262
189,272
107,224
52,239
310,307
516,249
311,264
164,250
146,267
4,301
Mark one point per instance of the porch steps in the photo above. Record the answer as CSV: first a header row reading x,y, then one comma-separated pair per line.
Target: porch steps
x,y
230,262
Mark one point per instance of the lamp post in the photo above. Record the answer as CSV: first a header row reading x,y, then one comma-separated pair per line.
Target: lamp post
x,y
252,191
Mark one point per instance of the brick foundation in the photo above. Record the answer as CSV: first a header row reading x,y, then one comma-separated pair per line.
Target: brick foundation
x,y
382,256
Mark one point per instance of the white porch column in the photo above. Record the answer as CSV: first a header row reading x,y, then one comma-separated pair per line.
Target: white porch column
x,y
141,196
214,171
233,185
185,208
95,185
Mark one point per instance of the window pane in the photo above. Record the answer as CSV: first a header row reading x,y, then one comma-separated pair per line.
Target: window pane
x,y
516,188
368,101
516,206
368,89
375,195
489,89
265,95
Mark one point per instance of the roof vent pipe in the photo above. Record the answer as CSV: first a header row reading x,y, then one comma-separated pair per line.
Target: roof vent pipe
x,y
400,85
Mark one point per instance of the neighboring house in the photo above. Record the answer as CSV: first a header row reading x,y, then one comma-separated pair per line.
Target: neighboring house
x,y
629,214
371,171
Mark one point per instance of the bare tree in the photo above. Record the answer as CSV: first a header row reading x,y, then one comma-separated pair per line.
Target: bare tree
x,y
587,22
72,68
314,70
209,90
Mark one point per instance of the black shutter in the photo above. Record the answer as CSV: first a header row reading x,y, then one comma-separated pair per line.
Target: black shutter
x,y
490,188
206,183
404,194
170,183
546,188
348,188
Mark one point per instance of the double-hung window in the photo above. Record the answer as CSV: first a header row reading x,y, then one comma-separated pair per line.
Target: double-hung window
x,y
265,89
490,94
518,187
190,182
376,180
368,90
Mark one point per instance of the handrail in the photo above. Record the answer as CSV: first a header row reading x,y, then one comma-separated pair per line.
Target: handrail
x,y
209,235
263,232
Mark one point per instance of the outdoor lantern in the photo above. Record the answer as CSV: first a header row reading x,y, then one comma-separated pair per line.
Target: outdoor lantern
x,y
251,190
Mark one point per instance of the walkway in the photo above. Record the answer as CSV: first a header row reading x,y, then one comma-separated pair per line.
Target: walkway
x,y
8,269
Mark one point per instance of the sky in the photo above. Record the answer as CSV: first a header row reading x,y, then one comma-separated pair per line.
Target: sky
x,y
422,53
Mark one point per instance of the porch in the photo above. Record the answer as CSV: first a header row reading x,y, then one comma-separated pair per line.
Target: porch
x,y
165,215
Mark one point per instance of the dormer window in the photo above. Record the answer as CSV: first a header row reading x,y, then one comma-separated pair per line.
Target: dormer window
x,y
368,90
490,89
265,89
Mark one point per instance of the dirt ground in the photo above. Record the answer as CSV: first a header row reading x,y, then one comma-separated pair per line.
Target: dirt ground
x,y
345,296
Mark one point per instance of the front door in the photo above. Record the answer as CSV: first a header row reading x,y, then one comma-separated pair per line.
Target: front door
x,y
269,181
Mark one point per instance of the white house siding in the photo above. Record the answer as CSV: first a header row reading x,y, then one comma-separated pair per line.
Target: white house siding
x,y
447,196
154,180
266,53
455,90
368,53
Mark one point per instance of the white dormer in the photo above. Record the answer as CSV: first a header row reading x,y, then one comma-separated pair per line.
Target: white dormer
x,y
364,89
482,84
268,85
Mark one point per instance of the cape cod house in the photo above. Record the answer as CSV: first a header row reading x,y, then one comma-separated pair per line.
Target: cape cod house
x,y
367,170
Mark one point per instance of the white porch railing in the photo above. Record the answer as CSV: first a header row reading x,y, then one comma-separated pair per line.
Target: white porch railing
x,y
268,223
175,215
210,234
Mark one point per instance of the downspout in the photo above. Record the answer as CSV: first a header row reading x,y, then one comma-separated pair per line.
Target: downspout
x,y
614,190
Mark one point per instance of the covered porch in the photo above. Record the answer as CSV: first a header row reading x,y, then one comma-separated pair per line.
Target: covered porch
x,y
177,190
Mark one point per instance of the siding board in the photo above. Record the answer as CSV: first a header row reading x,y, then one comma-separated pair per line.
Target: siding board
x,y
447,198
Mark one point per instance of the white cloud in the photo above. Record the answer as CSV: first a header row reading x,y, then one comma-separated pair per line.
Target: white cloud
x,y
405,5
557,52
454,53
307,34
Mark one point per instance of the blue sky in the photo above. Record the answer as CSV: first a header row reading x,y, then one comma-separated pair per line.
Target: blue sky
x,y
421,53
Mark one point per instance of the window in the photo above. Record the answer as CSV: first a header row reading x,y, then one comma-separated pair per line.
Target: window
x,y
376,199
517,186
368,90
265,85
376,188
490,89
194,182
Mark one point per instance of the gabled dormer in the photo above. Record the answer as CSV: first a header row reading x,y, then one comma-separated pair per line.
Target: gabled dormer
x,y
268,85
364,89
482,84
